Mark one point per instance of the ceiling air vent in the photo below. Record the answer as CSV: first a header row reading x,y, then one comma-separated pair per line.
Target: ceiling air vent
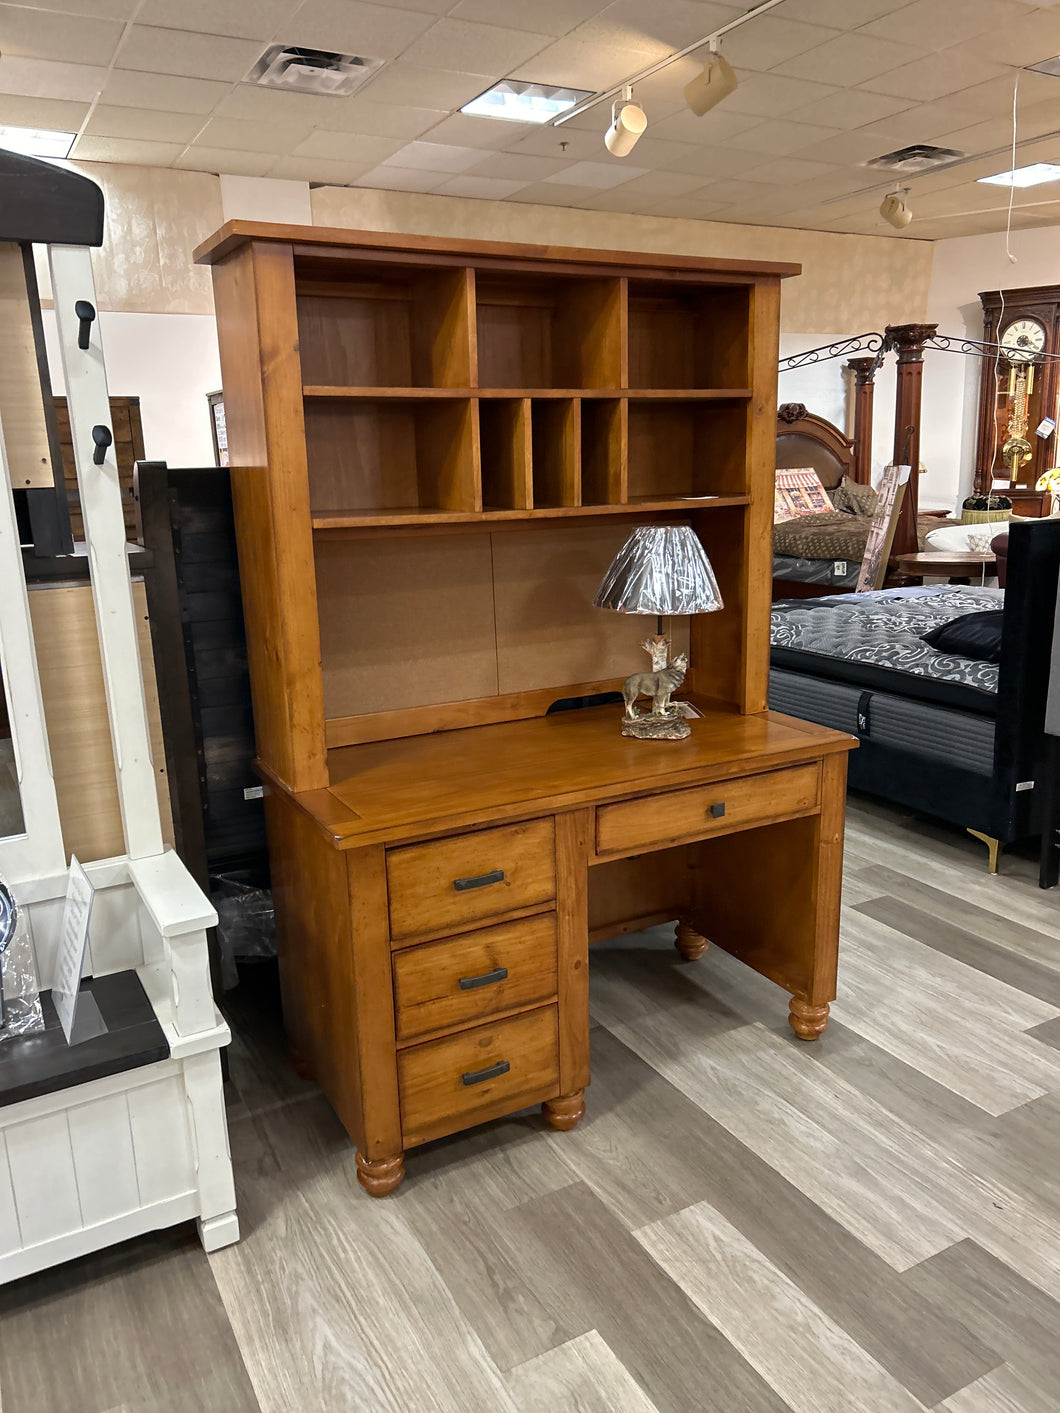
x,y
918,158
311,70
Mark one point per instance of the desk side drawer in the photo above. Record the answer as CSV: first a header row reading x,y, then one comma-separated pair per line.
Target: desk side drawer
x,y
478,1074
451,882
461,980
708,809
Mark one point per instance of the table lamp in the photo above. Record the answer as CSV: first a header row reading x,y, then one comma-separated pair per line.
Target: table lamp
x,y
661,569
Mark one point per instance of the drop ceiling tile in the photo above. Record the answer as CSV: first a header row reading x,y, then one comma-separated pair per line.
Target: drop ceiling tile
x,y
771,96
1025,40
688,208
424,87
937,76
41,34
241,135
729,190
555,17
347,147
657,154
849,149
129,89
597,174
94,9
144,124
994,98
716,162
772,40
556,194
573,63
352,27
230,17
842,14
224,163
55,114
274,105
719,125
38,78
435,7
480,188
434,157
936,24
780,137
568,144
851,108
852,58
663,94
982,137
122,149
318,169
790,171
370,119
454,44
463,130
403,179
924,122
656,28
518,166
170,51
617,199
655,186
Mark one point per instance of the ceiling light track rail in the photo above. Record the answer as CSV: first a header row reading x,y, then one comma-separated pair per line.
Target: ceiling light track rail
x,y
619,88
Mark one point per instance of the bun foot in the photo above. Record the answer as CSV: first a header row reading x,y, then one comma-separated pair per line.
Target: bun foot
x,y
808,1022
690,943
301,1066
380,1176
565,1112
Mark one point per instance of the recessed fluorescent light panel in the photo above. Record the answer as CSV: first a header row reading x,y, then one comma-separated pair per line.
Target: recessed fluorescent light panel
x,y
36,142
516,102
1035,175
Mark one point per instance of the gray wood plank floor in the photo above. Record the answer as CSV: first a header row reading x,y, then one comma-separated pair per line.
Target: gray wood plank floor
x,y
742,1223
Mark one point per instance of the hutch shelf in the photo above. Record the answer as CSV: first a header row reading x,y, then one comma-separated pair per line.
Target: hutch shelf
x,y
436,449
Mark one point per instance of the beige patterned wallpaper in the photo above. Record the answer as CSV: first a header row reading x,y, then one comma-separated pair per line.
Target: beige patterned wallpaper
x,y
849,282
156,216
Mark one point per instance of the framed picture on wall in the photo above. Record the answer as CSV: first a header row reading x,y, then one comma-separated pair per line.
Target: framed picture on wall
x,y
217,428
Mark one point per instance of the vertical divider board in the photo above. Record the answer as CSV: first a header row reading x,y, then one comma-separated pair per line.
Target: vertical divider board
x,y
556,443
507,468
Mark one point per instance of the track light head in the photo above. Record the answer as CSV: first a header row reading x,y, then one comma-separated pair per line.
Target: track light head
x,y
707,89
628,122
895,209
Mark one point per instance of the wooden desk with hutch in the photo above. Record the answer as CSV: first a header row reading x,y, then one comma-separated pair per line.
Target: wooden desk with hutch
x,y
437,447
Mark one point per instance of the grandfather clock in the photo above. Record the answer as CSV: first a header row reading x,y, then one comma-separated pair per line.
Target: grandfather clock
x,y
1018,389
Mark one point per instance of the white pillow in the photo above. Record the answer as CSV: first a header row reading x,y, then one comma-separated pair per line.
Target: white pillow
x,y
957,538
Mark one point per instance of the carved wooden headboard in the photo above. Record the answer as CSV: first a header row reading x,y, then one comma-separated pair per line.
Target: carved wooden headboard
x,y
804,439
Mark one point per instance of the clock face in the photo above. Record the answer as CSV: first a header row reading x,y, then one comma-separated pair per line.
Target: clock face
x,y
1023,340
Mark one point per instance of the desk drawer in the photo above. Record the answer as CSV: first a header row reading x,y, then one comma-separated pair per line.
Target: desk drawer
x,y
708,809
478,1074
461,980
451,882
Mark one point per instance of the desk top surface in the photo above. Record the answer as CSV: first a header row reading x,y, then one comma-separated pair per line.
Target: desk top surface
x,y
387,790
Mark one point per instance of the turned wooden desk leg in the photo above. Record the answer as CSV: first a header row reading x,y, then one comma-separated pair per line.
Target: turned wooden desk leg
x,y
690,943
808,1022
565,1111
380,1176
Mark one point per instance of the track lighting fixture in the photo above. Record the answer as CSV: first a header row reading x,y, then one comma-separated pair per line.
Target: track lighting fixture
x,y
716,82
894,208
628,121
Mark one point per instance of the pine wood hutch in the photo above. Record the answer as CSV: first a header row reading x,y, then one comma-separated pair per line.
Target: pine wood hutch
x,y
436,449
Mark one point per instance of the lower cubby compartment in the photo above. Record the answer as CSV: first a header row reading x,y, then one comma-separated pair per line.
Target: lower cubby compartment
x,y
504,430
686,449
367,454
556,443
604,451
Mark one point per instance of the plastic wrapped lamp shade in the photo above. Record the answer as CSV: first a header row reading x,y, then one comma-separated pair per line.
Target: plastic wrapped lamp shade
x,y
661,569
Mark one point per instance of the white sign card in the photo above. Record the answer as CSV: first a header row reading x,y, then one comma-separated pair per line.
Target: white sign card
x,y
77,1012
890,494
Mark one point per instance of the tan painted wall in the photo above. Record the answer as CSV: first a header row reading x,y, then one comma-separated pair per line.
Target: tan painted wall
x,y
854,283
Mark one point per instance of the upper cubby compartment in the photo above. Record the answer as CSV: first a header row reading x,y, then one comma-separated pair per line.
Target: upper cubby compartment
x,y
384,326
685,335
542,331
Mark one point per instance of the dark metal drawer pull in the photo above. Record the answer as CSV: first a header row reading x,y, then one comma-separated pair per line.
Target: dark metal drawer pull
x,y
477,1076
717,811
468,983
481,880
